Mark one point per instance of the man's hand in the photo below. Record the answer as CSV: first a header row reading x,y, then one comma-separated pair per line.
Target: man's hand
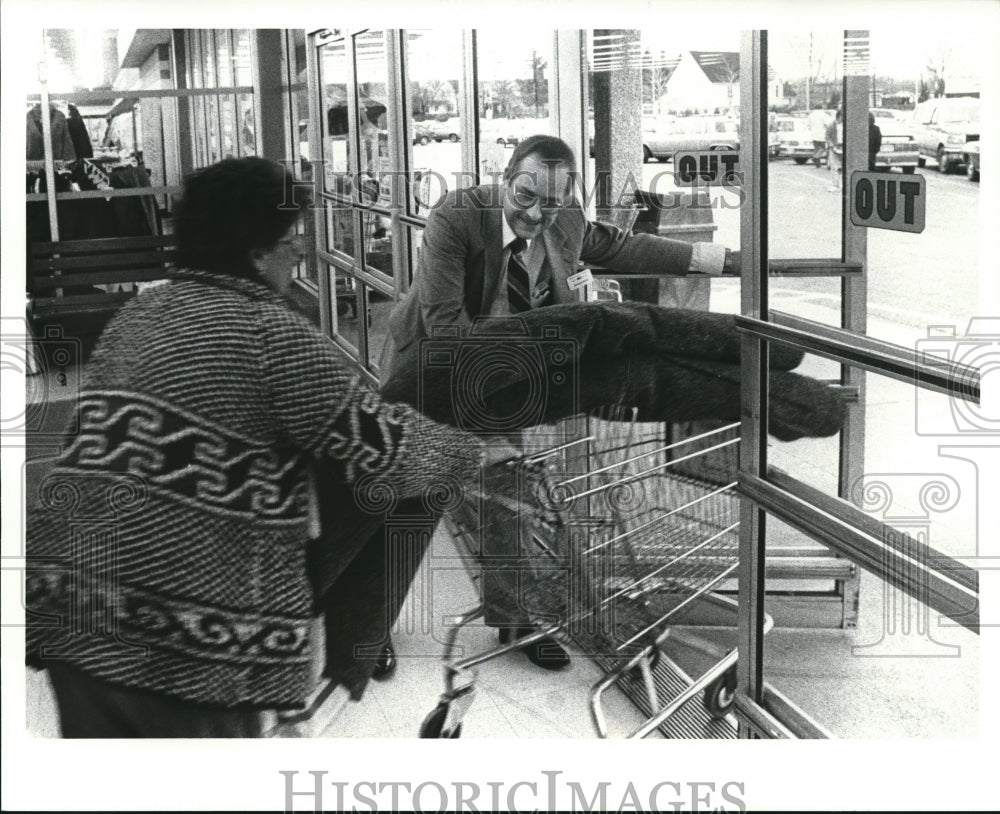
x,y
731,265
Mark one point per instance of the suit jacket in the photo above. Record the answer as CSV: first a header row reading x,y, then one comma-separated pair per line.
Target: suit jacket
x,y
461,263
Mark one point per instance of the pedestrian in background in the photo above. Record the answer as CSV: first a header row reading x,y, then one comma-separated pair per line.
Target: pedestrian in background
x,y
818,121
835,150
874,141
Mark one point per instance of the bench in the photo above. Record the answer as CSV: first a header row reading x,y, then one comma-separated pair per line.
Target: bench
x,y
75,286
79,278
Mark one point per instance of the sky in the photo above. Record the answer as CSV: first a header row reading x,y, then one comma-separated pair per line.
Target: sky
x,y
901,52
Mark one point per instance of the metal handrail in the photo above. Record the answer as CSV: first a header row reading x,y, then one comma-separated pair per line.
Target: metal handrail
x,y
952,591
869,354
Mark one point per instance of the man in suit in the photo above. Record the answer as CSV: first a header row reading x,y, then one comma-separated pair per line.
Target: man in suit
x,y
464,257
497,250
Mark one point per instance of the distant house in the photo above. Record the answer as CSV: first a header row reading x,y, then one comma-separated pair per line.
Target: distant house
x,y
709,82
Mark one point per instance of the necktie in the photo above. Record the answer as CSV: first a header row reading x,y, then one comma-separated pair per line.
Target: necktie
x,y
518,285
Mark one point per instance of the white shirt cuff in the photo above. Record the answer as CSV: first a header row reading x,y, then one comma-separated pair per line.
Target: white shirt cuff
x,y
708,258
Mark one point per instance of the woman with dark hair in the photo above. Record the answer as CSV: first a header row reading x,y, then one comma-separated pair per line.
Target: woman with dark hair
x,y
168,591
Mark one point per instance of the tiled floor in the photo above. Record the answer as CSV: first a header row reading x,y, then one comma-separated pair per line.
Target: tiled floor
x,y
513,698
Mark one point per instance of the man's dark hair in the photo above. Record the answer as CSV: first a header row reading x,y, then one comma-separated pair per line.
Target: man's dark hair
x,y
230,208
547,148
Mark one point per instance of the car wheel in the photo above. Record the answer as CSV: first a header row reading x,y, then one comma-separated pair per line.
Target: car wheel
x,y
453,138
647,154
501,141
800,161
921,163
944,166
909,170
970,172
424,140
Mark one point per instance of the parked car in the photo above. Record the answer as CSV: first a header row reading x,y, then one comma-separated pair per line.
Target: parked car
x,y
898,150
942,129
795,140
509,132
883,115
422,133
448,128
971,159
773,142
660,140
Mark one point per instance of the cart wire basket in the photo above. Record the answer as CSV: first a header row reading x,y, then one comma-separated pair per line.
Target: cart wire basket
x,y
612,549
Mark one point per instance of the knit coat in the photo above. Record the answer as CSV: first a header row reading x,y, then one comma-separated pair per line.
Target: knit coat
x,y
167,549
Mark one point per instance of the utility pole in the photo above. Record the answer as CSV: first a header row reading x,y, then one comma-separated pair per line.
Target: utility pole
x,y
534,77
809,72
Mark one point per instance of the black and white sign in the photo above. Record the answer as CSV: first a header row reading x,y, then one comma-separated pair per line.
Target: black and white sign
x,y
707,168
882,200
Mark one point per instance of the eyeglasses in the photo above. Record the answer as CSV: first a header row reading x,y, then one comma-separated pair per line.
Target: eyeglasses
x,y
527,199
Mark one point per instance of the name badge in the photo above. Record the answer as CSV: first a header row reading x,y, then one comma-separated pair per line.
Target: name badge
x,y
580,279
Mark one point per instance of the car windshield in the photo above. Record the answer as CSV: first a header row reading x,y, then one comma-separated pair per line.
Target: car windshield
x,y
960,113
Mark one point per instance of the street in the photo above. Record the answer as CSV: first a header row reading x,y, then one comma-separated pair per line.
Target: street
x,y
914,280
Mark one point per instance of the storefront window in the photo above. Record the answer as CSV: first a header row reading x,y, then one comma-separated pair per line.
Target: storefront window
x,y
209,55
378,241
243,74
379,306
374,187
433,117
416,239
228,110
212,127
224,60
297,101
333,79
196,79
247,128
346,305
340,232
224,125
513,89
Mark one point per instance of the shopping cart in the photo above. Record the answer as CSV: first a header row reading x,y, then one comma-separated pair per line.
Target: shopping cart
x,y
619,548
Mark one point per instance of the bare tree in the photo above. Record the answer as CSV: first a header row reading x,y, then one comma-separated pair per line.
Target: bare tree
x,y
656,70
731,73
939,60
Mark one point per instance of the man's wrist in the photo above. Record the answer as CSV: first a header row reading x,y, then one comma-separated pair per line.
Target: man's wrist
x,y
707,258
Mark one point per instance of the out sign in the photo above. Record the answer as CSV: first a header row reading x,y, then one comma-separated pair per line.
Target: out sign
x,y
708,167
885,201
